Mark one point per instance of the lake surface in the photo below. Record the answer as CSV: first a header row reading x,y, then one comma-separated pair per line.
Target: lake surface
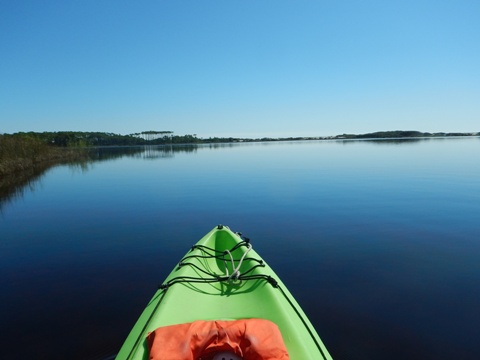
x,y
378,241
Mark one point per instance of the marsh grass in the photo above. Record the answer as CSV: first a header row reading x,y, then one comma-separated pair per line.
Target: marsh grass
x,y
24,160
25,154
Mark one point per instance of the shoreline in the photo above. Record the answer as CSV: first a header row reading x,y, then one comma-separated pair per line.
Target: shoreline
x,y
23,152
23,160
27,155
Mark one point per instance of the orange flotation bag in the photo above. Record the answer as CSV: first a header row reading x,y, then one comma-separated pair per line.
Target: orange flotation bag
x,y
251,339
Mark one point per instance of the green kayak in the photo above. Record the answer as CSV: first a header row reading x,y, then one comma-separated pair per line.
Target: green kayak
x,y
222,278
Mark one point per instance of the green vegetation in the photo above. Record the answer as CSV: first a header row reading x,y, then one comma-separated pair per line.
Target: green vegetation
x,y
399,134
20,153
95,139
24,151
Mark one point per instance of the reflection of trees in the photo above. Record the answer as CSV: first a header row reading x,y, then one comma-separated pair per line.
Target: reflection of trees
x,y
168,151
385,141
108,153
153,153
221,145
397,141
148,152
14,185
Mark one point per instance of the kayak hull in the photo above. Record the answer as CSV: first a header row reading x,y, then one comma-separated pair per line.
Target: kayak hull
x,y
205,286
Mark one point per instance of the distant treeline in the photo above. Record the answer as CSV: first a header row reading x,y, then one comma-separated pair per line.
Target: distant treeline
x,y
92,139
400,134
95,139
25,150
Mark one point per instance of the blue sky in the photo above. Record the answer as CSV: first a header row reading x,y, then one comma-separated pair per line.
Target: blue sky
x,y
240,68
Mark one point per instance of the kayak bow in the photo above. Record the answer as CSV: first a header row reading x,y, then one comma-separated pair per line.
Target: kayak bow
x,y
222,278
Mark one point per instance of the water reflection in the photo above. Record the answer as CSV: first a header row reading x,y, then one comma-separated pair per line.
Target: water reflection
x,y
139,152
392,141
13,186
403,141
380,248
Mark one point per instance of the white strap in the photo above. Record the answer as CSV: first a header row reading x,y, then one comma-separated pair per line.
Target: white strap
x,y
236,270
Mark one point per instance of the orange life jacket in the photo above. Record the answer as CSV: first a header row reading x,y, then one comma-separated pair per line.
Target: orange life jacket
x,y
251,339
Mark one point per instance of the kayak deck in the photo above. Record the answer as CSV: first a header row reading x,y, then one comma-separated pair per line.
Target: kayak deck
x,y
223,278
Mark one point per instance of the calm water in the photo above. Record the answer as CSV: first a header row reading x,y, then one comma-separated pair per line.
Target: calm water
x,y
378,241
